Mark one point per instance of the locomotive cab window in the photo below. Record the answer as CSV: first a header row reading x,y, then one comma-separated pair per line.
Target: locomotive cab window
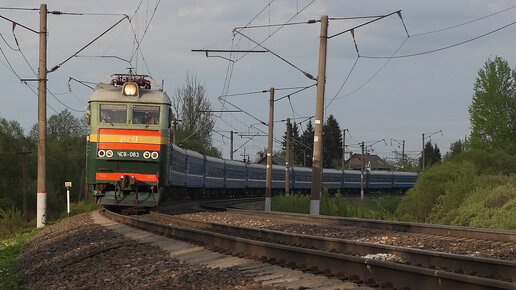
x,y
148,115
113,114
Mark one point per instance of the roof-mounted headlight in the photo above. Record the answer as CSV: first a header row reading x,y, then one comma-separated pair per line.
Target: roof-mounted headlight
x,y
130,89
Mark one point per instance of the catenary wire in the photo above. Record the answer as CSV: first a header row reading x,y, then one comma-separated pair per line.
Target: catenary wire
x,y
442,48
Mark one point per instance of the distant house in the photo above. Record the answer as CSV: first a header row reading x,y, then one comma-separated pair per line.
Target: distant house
x,y
372,162
276,160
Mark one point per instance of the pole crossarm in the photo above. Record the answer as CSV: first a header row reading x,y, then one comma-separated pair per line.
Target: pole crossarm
x,y
21,25
227,50
220,111
366,23
276,55
428,135
243,111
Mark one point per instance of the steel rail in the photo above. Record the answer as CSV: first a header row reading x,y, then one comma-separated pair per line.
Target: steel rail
x,y
398,274
474,266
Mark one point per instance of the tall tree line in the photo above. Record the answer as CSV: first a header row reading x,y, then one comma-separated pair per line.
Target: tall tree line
x,y
302,144
65,162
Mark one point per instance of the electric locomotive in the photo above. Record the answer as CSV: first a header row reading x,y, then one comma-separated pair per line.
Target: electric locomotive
x,y
128,137
130,161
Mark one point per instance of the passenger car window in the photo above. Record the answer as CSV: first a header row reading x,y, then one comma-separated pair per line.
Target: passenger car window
x,y
146,115
113,114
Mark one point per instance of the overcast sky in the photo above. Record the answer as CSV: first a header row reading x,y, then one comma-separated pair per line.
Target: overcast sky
x,y
383,98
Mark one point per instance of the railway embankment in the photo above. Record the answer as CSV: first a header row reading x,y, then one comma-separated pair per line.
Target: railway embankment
x,y
79,253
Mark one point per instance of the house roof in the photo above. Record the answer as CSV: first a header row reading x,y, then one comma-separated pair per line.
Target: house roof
x,y
374,162
276,160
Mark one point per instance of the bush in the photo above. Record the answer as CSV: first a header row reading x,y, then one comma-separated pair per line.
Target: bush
x,y
338,206
471,189
490,206
450,179
12,221
298,203
80,207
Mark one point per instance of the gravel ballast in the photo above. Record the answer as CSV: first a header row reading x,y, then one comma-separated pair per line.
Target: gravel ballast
x,y
79,254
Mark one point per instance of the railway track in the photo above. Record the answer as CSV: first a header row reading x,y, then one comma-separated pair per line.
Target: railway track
x,y
464,233
333,257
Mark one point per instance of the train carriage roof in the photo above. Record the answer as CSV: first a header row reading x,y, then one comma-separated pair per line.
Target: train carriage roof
x,y
194,154
109,93
235,163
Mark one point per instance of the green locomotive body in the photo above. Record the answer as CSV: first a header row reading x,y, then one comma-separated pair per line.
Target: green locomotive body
x,y
127,142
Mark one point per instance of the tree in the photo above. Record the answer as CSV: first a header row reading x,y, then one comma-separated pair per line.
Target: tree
x,y
191,106
294,137
11,135
493,110
455,149
432,155
65,124
332,143
307,144
66,160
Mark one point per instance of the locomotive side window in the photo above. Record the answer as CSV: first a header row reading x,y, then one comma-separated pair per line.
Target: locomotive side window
x,y
148,115
113,114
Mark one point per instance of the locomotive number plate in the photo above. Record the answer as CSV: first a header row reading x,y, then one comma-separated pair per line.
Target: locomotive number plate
x,y
126,154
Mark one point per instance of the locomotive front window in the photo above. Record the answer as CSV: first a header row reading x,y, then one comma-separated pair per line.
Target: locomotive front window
x,y
148,115
113,114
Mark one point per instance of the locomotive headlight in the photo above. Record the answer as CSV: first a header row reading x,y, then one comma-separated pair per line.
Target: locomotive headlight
x,y
146,154
109,153
154,155
130,89
101,153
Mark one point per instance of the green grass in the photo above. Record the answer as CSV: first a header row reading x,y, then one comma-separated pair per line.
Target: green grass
x,y
15,233
83,206
338,206
10,249
474,188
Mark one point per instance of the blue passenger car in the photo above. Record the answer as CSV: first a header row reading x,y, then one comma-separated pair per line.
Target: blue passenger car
x,y
214,176
194,169
302,177
255,176
177,163
332,179
236,175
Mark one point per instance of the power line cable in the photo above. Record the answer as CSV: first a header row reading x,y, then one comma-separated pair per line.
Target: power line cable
x,y
442,48
370,79
19,8
271,34
464,23
22,54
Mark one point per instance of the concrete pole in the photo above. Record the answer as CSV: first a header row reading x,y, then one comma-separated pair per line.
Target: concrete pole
x,y
24,201
315,200
403,155
343,148
288,160
362,173
41,208
174,131
423,151
231,146
268,175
